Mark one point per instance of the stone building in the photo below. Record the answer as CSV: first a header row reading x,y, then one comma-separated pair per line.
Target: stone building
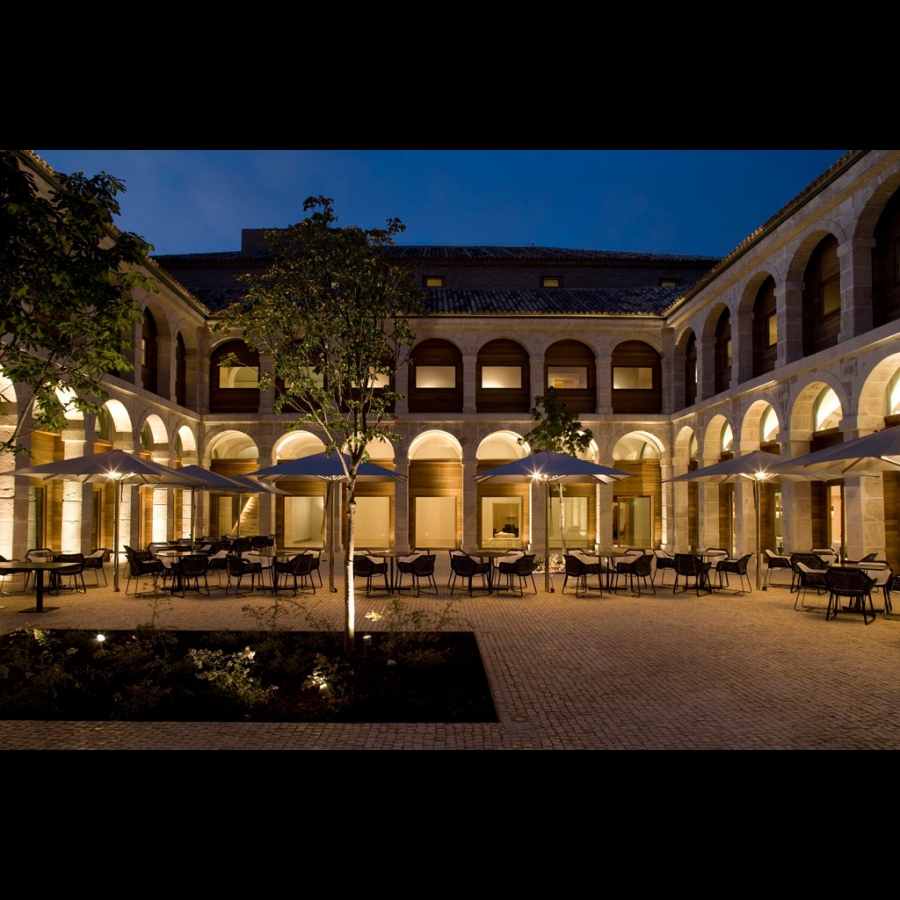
x,y
789,343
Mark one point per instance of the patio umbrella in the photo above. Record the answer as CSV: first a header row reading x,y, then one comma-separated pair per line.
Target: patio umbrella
x,y
871,454
330,469
113,466
551,468
755,468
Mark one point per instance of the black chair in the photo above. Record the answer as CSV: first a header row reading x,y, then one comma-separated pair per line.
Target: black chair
x,y
853,584
154,547
141,564
299,566
521,568
238,569
807,578
774,561
689,566
664,561
420,567
240,545
454,553
218,563
191,568
734,567
468,567
36,554
639,568
315,566
580,571
801,579
366,567
95,562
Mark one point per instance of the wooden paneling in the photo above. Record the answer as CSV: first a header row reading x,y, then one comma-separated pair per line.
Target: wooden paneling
x,y
631,354
503,352
647,482
435,479
726,515
819,509
820,332
226,400
764,356
250,515
574,353
891,486
436,352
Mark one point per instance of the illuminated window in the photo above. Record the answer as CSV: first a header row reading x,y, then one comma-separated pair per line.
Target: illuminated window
x,y
435,376
239,377
434,281
632,378
728,352
771,330
551,281
501,377
501,520
567,377
669,282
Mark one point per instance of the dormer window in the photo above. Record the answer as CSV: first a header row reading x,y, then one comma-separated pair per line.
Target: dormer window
x,y
551,281
669,282
434,281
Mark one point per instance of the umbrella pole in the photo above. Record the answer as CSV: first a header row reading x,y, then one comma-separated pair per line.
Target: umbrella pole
x,y
330,492
758,550
843,521
548,587
116,537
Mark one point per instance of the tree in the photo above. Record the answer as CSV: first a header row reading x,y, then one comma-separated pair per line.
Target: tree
x,y
333,314
66,276
559,431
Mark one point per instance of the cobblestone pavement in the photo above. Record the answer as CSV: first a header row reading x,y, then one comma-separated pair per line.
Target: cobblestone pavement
x,y
612,672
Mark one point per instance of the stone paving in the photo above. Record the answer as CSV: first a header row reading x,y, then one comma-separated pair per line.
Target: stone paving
x,y
613,672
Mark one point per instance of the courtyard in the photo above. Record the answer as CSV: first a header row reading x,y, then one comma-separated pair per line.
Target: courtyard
x,y
617,671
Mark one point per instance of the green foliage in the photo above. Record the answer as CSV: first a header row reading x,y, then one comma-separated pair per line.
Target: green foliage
x,y
66,276
559,430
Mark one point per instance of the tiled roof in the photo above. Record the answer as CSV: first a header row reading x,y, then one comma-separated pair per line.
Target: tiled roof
x,y
648,301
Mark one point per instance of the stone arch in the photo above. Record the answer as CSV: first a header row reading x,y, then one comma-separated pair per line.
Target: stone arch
x,y
185,442
119,416
800,417
157,429
501,445
755,417
435,444
812,237
871,409
231,444
712,447
435,490
297,445
864,226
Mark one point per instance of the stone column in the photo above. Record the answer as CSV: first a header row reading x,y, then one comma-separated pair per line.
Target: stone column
x,y
162,527
538,381
667,499
796,497
741,348
266,397
470,498
401,386
165,369
789,319
470,362
604,387
71,539
10,537
856,287
402,537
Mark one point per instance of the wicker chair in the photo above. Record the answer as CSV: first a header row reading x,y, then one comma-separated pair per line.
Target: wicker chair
x,y
853,584
468,567
422,566
315,566
238,569
365,566
737,567
521,568
774,561
95,562
141,564
580,571
640,568
808,577
299,566
690,566
664,561
192,568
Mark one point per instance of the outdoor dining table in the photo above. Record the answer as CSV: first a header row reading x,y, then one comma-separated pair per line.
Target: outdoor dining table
x,y
38,567
392,556
610,555
167,558
490,555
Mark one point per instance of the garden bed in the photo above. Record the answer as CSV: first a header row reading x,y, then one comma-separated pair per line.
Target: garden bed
x,y
153,674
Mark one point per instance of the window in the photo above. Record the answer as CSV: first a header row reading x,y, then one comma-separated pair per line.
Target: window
x,y
501,520
669,282
632,378
551,281
728,353
771,330
433,281
501,377
567,377
435,376
239,377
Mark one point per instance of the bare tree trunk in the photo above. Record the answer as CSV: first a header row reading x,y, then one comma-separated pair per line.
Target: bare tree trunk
x,y
349,595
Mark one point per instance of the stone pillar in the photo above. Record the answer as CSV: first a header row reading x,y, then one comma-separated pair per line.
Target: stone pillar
x,y
71,538
163,501
401,387
538,380
856,287
470,499
470,362
741,348
9,533
165,369
706,367
267,396
796,497
789,319
402,537
667,499
605,516
604,387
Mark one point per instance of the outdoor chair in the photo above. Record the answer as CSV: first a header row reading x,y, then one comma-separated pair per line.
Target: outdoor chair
x,y
808,577
218,563
826,554
315,566
421,566
664,561
469,567
238,569
369,567
734,567
192,568
299,566
142,565
639,568
75,572
521,568
774,561
155,546
36,554
853,584
811,561
715,555
240,545
883,579
689,566
95,562
580,571
893,584
259,542
452,573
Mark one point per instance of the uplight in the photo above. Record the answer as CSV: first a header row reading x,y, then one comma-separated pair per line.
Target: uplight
x,y
101,638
